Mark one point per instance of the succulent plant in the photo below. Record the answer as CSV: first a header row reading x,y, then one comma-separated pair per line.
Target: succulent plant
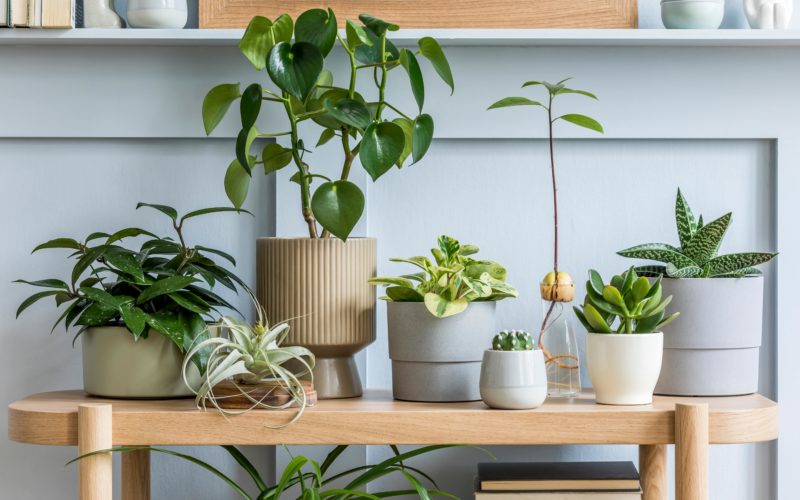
x,y
448,286
697,255
630,304
512,340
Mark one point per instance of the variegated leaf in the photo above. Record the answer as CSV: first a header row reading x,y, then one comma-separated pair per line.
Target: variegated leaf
x,y
684,220
651,271
684,272
700,222
736,263
660,252
705,243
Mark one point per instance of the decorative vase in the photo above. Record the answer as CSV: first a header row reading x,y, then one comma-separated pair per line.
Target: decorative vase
x,y
712,348
692,14
624,367
117,366
157,13
768,14
100,14
559,344
320,285
513,380
438,359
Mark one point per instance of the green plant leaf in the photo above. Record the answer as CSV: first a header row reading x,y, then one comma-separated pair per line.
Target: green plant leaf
x,y
250,105
732,263
683,272
403,294
408,131
355,35
514,101
706,241
164,286
125,261
326,135
668,320
613,296
443,308
684,220
595,320
431,49
47,283
35,298
422,136
97,314
317,27
393,281
583,121
135,319
565,90
377,26
595,282
130,232
244,141
338,206
59,243
261,35
660,252
350,112
216,104
275,157
640,288
237,183
649,324
371,53
164,209
212,210
381,147
411,65
582,318
84,262
295,67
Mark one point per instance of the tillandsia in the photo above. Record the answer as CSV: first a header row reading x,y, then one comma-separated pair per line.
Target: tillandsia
x,y
306,92
248,355
164,286
629,304
696,257
451,283
512,340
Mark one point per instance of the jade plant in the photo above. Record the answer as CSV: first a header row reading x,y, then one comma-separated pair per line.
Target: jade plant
x,y
629,304
369,127
449,283
163,286
513,340
696,257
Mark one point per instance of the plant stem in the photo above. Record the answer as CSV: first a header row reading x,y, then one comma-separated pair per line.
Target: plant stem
x,y
382,86
305,180
555,190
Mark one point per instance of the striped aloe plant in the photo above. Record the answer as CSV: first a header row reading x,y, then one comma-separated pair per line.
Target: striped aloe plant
x,y
697,255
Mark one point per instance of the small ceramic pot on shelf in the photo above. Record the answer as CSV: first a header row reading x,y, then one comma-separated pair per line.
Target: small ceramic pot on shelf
x,y
164,14
624,367
692,14
513,380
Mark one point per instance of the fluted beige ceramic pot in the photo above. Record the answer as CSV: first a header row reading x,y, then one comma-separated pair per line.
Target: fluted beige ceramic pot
x,y
321,286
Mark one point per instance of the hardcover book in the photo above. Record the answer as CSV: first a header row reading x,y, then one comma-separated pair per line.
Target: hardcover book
x,y
558,476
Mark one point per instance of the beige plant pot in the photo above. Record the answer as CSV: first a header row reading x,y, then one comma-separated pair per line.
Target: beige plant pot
x,y
321,286
117,366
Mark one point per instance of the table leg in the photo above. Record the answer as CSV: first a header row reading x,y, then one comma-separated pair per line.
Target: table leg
x,y
691,452
136,475
94,433
653,471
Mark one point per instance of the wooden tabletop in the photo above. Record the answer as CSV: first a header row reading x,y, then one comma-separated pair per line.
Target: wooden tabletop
x,y
51,418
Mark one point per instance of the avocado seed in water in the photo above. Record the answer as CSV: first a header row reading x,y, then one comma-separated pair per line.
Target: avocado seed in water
x,y
557,287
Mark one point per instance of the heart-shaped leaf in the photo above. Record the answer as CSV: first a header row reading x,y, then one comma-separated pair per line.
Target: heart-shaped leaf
x,y
243,143
261,35
334,96
295,68
237,183
411,65
377,26
422,136
430,48
381,147
216,104
250,105
408,130
318,27
338,207
275,157
442,308
350,112
371,54
355,35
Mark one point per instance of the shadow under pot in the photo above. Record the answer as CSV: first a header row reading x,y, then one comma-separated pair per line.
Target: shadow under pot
x,y
513,380
712,348
438,359
320,286
117,366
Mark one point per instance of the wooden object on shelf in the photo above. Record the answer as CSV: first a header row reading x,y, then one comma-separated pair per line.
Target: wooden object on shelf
x,y
438,14
691,451
271,393
94,434
653,471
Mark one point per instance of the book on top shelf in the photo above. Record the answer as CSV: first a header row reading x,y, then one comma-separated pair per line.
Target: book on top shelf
x,y
558,476
559,495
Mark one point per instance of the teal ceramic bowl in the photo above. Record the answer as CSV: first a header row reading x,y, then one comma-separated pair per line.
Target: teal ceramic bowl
x,y
692,14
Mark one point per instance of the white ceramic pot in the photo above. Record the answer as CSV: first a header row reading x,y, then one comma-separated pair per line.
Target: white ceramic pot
x,y
157,13
768,14
624,368
692,14
513,380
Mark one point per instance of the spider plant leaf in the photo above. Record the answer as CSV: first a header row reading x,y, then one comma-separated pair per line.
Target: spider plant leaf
x,y
422,491
332,456
247,465
706,241
292,468
660,252
731,263
684,220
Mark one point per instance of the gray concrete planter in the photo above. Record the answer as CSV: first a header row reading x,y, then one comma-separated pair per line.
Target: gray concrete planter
x,y
116,366
712,348
437,359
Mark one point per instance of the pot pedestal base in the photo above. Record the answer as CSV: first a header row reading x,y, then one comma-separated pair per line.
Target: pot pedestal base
x,y
337,378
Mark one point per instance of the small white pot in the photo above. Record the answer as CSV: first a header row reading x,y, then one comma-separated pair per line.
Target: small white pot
x,y
624,368
513,380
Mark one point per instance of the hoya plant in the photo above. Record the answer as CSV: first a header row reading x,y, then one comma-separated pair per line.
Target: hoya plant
x,y
164,286
629,304
513,340
696,257
450,282
369,127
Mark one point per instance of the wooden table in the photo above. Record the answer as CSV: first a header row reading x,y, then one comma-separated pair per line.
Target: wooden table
x,y
72,418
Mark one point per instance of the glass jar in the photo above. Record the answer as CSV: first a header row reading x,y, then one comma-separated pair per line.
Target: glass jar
x,y
559,344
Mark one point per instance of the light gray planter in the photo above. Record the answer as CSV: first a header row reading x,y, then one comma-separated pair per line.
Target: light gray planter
x,y
712,348
513,380
438,359
116,366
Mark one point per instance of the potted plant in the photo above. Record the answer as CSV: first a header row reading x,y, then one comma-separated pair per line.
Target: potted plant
x,y
513,375
624,321
713,349
138,311
320,282
439,319
557,338
248,368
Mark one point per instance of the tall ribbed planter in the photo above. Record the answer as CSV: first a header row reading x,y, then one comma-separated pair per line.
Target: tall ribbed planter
x,y
321,286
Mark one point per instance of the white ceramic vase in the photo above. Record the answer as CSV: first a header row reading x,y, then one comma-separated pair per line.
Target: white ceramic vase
x,y
768,14
624,368
513,380
162,14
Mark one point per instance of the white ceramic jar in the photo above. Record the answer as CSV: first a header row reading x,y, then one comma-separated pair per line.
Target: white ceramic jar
x,y
624,368
157,13
692,14
513,380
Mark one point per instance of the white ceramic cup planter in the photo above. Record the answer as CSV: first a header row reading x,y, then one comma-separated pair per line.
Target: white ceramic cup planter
x,y
513,380
692,14
624,368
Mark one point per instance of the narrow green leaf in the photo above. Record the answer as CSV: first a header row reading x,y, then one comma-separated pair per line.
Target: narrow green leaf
x,y
59,243
47,283
338,206
595,320
514,101
35,298
164,286
87,260
250,105
583,121
660,252
684,220
431,49
244,141
422,136
125,261
565,90
411,65
212,210
732,263
408,131
97,314
135,319
326,135
216,104
706,241
169,211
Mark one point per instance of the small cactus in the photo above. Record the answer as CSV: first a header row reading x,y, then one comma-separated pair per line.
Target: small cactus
x,y
512,340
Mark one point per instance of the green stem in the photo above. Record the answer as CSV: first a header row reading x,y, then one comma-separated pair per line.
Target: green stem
x,y
399,112
305,179
555,190
382,86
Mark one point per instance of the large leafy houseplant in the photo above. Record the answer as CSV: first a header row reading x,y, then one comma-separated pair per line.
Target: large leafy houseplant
x,y
451,283
164,286
294,53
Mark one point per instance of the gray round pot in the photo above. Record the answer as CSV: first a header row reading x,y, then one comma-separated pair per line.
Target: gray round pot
x,y
513,380
117,366
438,359
712,348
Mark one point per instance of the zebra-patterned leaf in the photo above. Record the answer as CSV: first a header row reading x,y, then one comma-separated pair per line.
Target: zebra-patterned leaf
x,y
684,272
705,243
736,263
684,219
700,221
660,252
651,271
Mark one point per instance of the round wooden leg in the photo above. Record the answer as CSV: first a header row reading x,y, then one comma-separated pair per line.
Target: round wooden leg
x,y
136,475
653,471
94,433
691,452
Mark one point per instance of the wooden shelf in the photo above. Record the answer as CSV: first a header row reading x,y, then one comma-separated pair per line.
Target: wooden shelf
x,y
448,37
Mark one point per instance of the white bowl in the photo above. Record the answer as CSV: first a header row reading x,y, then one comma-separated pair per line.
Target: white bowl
x,y
692,14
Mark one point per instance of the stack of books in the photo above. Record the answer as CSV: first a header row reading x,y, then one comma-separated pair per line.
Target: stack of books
x,y
558,481
37,13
